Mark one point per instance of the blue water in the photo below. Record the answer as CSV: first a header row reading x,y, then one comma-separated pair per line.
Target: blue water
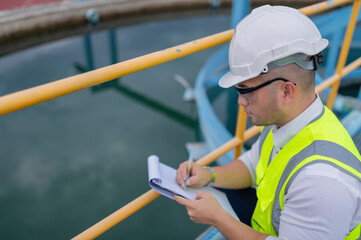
x,y
68,163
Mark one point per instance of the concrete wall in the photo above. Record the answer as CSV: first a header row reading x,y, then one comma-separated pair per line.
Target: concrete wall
x,y
24,27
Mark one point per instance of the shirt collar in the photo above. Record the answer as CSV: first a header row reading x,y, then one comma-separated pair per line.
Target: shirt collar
x,y
282,135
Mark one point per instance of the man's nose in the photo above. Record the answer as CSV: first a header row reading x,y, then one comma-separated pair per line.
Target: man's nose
x,y
242,101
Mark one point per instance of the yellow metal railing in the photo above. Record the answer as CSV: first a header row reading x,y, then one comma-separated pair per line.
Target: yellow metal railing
x,y
32,96
241,136
26,98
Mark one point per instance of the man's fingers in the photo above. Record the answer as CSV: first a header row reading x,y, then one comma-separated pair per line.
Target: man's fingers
x,y
202,194
191,181
194,178
182,174
179,179
181,200
183,170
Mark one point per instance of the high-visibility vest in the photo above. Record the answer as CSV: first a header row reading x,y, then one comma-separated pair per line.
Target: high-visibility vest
x,y
323,140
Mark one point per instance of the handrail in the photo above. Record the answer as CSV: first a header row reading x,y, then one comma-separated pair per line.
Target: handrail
x,y
336,77
239,139
241,126
32,96
322,6
118,215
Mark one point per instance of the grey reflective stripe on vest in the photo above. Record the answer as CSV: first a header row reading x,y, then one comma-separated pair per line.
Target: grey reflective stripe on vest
x,y
318,117
318,147
263,136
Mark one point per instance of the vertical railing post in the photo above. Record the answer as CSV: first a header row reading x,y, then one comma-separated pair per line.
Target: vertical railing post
x,y
241,126
344,52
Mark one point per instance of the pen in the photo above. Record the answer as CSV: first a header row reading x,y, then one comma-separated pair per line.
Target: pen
x,y
190,160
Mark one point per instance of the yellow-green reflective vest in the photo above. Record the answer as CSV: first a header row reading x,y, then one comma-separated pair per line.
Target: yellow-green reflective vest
x,y
323,140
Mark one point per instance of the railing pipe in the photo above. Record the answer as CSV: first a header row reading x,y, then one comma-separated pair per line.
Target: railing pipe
x,y
241,126
352,66
251,132
336,77
212,156
327,83
116,217
344,52
322,6
35,95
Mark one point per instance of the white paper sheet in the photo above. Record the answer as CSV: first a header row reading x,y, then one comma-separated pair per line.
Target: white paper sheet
x,y
162,178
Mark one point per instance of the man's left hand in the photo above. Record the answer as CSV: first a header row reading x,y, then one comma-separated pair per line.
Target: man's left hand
x,y
205,209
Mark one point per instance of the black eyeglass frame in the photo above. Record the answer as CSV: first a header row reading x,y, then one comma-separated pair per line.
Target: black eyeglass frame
x,y
251,89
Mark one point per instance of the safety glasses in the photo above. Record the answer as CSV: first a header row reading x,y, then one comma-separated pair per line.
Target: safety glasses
x,y
246,93
242,91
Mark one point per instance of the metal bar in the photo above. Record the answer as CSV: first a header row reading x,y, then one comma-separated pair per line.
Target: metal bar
x,y
336,77
328,82
344,51
251,132
116,217
322,6
113,46
239,10
212,156
352,66
88,52
35,95
241,126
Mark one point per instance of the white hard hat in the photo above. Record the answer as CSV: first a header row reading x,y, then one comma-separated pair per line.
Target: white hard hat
x,y
268,34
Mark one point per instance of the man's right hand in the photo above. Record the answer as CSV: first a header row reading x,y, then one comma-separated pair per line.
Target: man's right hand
x,y
199,176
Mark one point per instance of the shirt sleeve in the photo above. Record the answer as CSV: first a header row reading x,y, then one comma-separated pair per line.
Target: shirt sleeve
x,y
250,159
316,207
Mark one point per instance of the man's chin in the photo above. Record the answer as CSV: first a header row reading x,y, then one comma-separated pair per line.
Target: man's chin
x,y
254,122
258,123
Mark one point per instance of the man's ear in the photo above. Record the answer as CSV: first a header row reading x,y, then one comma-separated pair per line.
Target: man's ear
x,y
289,90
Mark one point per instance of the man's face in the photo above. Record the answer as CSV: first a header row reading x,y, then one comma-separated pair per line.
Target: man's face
x,y
262,105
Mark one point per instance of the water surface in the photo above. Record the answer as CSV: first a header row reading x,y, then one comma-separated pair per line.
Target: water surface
x,y
68,163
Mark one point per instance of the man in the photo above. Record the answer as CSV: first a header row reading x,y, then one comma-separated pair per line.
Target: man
x,y
305,167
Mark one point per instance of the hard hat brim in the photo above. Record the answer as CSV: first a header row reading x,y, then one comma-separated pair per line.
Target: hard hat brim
x,y
229,79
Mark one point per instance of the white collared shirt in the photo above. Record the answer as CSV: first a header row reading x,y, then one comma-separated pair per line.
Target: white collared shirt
x,y
322,202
